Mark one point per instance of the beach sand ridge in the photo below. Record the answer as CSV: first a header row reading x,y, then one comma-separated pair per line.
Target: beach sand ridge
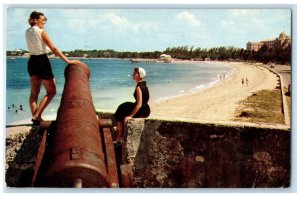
x,y
219,102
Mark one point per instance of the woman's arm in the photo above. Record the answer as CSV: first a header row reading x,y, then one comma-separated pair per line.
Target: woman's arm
x,y
54,49
139,101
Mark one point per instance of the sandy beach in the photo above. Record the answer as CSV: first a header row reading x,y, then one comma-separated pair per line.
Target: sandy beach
x,y
218,103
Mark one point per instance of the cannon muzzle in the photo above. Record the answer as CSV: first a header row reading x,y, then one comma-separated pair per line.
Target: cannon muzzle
x,y
77,152
74,154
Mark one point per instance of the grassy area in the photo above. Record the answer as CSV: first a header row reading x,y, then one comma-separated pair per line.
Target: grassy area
x,y
262,106
288,101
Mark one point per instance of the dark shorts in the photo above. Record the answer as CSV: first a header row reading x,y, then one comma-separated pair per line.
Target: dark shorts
x,y
126,108
39,65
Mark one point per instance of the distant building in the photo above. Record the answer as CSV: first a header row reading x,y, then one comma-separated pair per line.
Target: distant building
x,y
165,58
17,52
268,43
106,54
255,46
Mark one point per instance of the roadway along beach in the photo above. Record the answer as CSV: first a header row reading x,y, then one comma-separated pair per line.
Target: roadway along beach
x,y
218,103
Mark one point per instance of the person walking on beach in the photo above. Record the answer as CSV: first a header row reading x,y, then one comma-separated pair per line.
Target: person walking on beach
x,y
39,67
242,82
224,76
247,81
129,110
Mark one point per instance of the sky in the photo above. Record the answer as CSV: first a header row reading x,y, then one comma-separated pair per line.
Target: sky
x,y
144,29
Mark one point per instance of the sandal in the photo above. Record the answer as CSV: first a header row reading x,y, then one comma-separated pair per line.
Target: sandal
x,y
118,142
36,121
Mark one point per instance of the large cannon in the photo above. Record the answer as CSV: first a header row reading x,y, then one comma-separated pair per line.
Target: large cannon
x,y
75,150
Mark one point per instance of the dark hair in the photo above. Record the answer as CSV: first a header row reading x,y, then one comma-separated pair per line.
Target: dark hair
x,y
35,15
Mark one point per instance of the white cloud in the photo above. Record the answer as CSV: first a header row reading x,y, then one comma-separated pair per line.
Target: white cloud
x,y
228,23
122,23
188,17
117,20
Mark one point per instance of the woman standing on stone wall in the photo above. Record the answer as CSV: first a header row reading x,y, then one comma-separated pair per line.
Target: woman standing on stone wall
x,y
39,67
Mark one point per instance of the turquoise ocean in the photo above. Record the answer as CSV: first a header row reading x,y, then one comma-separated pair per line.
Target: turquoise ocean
x,y
111,83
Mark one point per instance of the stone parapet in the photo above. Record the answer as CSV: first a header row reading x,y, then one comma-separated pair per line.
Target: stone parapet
x,y
167,154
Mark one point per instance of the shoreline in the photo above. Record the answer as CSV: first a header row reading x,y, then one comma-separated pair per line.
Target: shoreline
x,y
219,102
199,87
205,104
179,61
157,94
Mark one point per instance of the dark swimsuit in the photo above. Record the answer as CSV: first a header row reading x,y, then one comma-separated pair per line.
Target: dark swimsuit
x,y
126,108
39,65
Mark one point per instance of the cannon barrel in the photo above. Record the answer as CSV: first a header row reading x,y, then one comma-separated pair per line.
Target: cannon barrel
x,y
76,158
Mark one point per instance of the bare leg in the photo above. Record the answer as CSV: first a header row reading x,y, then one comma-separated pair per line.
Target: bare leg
x,y
120,126
35,85
51,91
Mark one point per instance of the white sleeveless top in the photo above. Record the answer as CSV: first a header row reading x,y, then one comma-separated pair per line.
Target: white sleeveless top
x,y
35,43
